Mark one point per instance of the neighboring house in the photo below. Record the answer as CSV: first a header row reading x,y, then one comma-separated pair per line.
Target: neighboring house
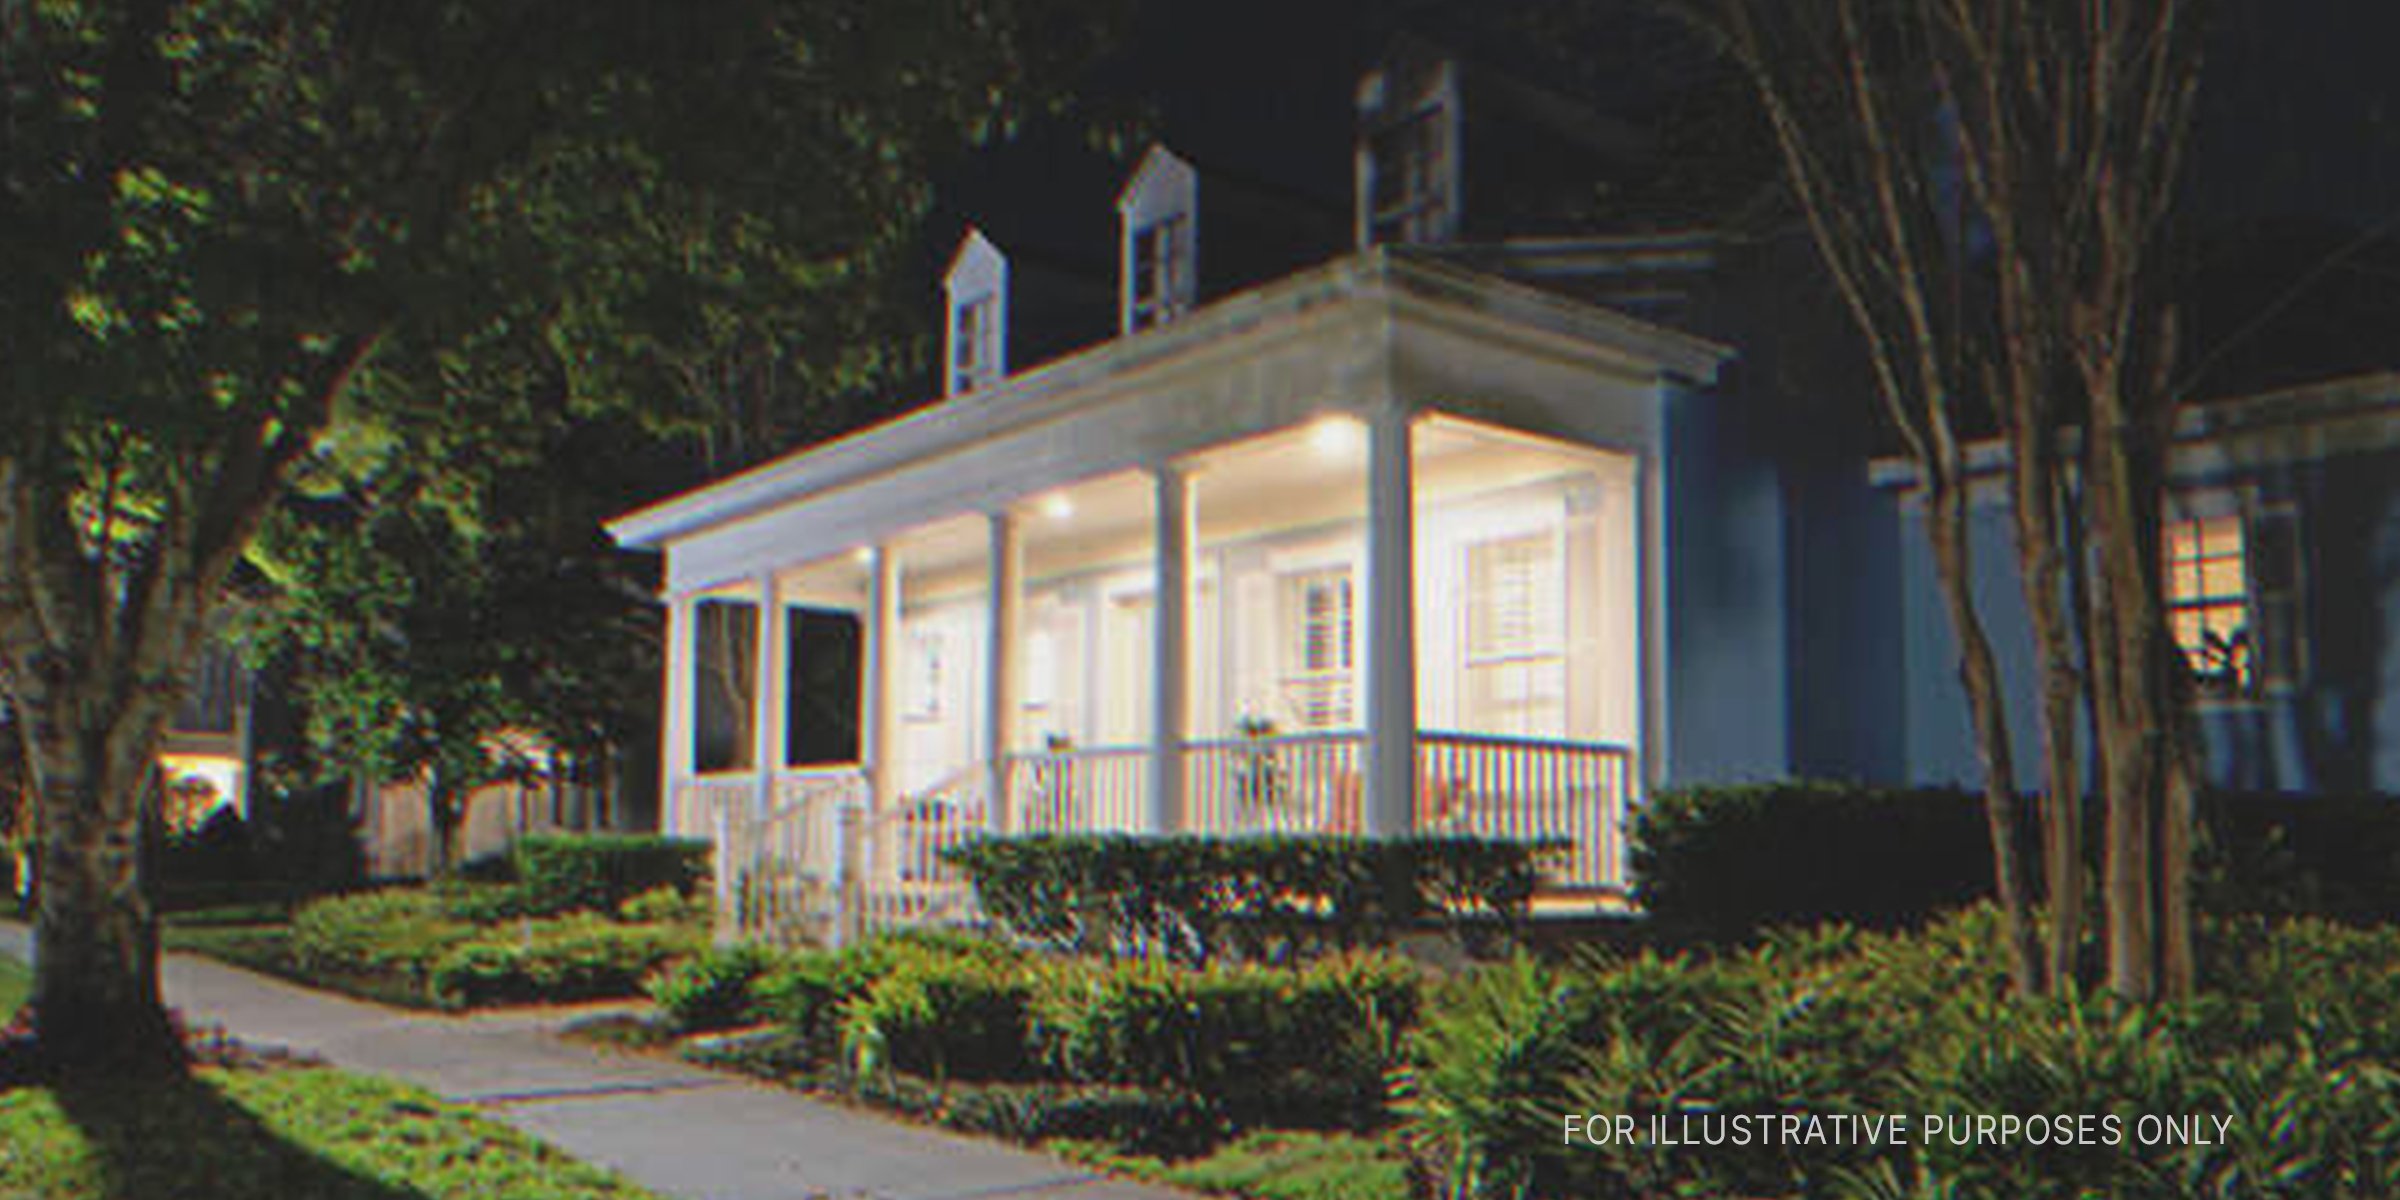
x,y
1474,524
550,795
204,759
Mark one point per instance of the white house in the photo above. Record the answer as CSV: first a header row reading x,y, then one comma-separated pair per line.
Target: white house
x,y
1374,547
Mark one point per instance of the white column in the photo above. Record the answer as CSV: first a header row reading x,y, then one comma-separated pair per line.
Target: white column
x,y
879,728
771,692
675,755
1391,693
1171,641
1001,656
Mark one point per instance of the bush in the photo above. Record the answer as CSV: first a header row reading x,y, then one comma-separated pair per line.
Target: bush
x,y
941,1016
395,935
1723,863
1837,1021
711,991
1267,1046
1195,899
600,872
581,956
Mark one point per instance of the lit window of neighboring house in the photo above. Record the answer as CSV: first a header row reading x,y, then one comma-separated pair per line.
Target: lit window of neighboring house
x,y
1161,281
1318,648
1516,645
2232,595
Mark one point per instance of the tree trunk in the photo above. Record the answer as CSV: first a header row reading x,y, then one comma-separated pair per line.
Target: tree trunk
x,y
446,815
96,999
1946,523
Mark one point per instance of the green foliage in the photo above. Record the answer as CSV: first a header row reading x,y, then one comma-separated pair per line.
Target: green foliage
x,y
1138,1120
579,956
463,945
712,990
1268,1046
1837,1021
1271,1165
1723,863
232,1135
1194,899
943,1016
600,872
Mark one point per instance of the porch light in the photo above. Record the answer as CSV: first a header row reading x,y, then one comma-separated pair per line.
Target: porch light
x,y
864,555
1058,506
1337,437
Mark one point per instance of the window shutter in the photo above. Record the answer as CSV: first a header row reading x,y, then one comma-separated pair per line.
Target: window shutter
x,y
2275,578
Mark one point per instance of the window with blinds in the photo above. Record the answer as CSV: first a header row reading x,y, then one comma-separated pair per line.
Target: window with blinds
x,y
1318,651
1516,636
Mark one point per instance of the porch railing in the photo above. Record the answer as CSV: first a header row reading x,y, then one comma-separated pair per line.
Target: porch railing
x,y
1295,783
780,873
823,864
1530,789
1105,789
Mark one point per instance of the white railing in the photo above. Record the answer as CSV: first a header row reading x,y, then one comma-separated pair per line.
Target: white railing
x,y
1529,790
1297,783
700,802
1105,789
907,880
780,873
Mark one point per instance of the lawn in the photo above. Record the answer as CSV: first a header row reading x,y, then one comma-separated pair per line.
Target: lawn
x,y
16,983
292,1131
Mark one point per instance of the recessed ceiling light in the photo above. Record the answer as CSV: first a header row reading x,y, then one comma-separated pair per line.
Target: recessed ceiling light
x,y
1058,506
1336,437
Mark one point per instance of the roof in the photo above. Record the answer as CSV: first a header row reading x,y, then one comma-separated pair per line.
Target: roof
x,y
1053,391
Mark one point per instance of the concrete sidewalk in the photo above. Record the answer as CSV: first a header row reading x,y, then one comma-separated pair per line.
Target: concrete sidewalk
x,y
674,1128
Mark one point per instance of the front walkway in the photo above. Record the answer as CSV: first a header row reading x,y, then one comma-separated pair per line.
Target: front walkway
x,y
671,1127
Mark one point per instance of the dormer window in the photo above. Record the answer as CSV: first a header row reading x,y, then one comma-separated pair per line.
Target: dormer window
x,y
977,336
1408,161
1159,210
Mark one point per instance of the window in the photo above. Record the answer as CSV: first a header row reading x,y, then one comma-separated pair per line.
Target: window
x,y
975,344
2232,593
1409,196
1162,254
1318,650
1516,660
925,678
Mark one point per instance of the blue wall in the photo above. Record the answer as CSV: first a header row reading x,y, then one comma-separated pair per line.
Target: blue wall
x,y
2338,731
1727,675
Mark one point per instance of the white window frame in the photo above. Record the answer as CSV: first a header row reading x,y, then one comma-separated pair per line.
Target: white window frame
x,y
1299,680
1543,649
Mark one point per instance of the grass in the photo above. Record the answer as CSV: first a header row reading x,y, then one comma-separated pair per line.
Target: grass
x,y
16,983
297,1131
1271,1165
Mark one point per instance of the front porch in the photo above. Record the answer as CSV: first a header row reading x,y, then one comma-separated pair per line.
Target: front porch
x,y
1295,567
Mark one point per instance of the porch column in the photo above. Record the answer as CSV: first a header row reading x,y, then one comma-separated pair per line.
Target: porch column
x,y
675,755
773,692
1171,643
1001,654
879,731
1391,699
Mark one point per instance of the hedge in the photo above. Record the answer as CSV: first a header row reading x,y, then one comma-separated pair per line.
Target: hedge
x,y
1722,863
1195,899
1254,1046
433,946
598,872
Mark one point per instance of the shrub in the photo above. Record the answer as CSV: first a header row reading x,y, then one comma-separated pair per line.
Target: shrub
x,y
1193,899
1845,1022
396,934
1268,1046
711,991
600,872
942,1016
582,956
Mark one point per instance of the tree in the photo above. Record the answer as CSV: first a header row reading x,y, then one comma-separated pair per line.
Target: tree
x,y
1989,184
230,228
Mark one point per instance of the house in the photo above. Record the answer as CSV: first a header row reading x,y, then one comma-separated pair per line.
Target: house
x,y
1488,514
